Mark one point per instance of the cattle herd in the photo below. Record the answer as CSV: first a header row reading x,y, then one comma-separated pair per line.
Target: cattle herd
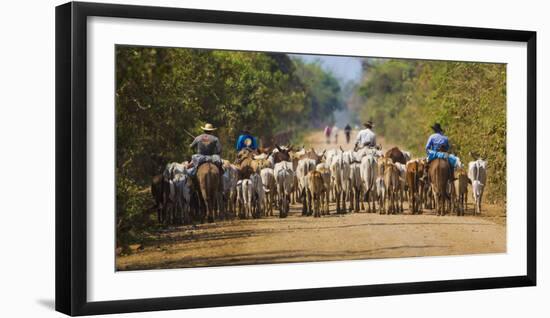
x,y
365,179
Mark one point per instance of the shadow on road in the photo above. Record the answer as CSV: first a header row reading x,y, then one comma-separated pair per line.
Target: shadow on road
x,y
278,256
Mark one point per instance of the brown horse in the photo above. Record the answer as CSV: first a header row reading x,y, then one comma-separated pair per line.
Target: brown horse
x,y
439,178
208,176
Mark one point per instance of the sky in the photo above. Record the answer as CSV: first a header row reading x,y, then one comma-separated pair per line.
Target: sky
x,y
344,68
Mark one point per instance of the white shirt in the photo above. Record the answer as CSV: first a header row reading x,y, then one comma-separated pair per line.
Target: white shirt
x,y
366,137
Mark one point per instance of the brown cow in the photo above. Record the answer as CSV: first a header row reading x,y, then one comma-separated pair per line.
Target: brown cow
x,y
392,186
316,188
414,175
396,155
324,169
312,154
439,179
244,163
208,176
282,154
259,162
461,186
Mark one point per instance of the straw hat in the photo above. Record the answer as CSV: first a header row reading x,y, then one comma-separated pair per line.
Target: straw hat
x,y
208,127
368,124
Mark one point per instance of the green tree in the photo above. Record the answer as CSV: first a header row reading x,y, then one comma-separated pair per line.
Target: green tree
x,y
404,97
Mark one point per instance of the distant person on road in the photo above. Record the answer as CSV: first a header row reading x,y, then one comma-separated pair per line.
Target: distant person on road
x,y
335,133
347,131
366,137
327,133
246,140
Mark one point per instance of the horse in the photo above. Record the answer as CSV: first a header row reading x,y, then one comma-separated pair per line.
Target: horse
x,y
439,171
208,176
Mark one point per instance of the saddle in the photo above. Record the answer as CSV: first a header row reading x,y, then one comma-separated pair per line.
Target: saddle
x,y
198,160
432,155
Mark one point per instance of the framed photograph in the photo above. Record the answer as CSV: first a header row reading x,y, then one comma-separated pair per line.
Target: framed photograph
x,y
210,158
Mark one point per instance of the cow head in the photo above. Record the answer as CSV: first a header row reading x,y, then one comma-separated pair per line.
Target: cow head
x,y
282,154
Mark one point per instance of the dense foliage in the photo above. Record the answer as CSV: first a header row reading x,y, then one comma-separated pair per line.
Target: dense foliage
x,y
323,90
163,93
404,97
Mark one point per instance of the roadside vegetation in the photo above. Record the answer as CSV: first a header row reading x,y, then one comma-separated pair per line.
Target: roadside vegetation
x,y
163,92
405,97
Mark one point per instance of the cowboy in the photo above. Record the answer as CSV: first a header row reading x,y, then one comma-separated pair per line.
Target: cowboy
x,y
438,146
437,141
347,131
366,137
246,140
209,149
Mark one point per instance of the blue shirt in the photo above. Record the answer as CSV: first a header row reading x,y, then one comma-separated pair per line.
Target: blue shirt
x,y
436,141
246,141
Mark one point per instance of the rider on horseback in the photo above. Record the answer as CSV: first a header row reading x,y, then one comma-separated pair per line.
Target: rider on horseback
x,y
366,137
209,149
438,147
246,140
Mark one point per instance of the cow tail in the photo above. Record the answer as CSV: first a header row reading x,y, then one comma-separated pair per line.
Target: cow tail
x,y
415,185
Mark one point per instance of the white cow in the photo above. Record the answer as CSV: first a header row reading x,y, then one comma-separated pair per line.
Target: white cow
x,y
230,179
402,183
348,158
407,155
174,168
284,176
339,169
270,188
245,194
182,197
258,199
381,193
329,154
304,167
477,172
356,182
368,176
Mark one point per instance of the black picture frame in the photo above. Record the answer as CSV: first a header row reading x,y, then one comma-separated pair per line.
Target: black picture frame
x,y
71,157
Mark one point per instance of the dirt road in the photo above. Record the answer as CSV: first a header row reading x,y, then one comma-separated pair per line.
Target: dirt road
x,y
335,237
